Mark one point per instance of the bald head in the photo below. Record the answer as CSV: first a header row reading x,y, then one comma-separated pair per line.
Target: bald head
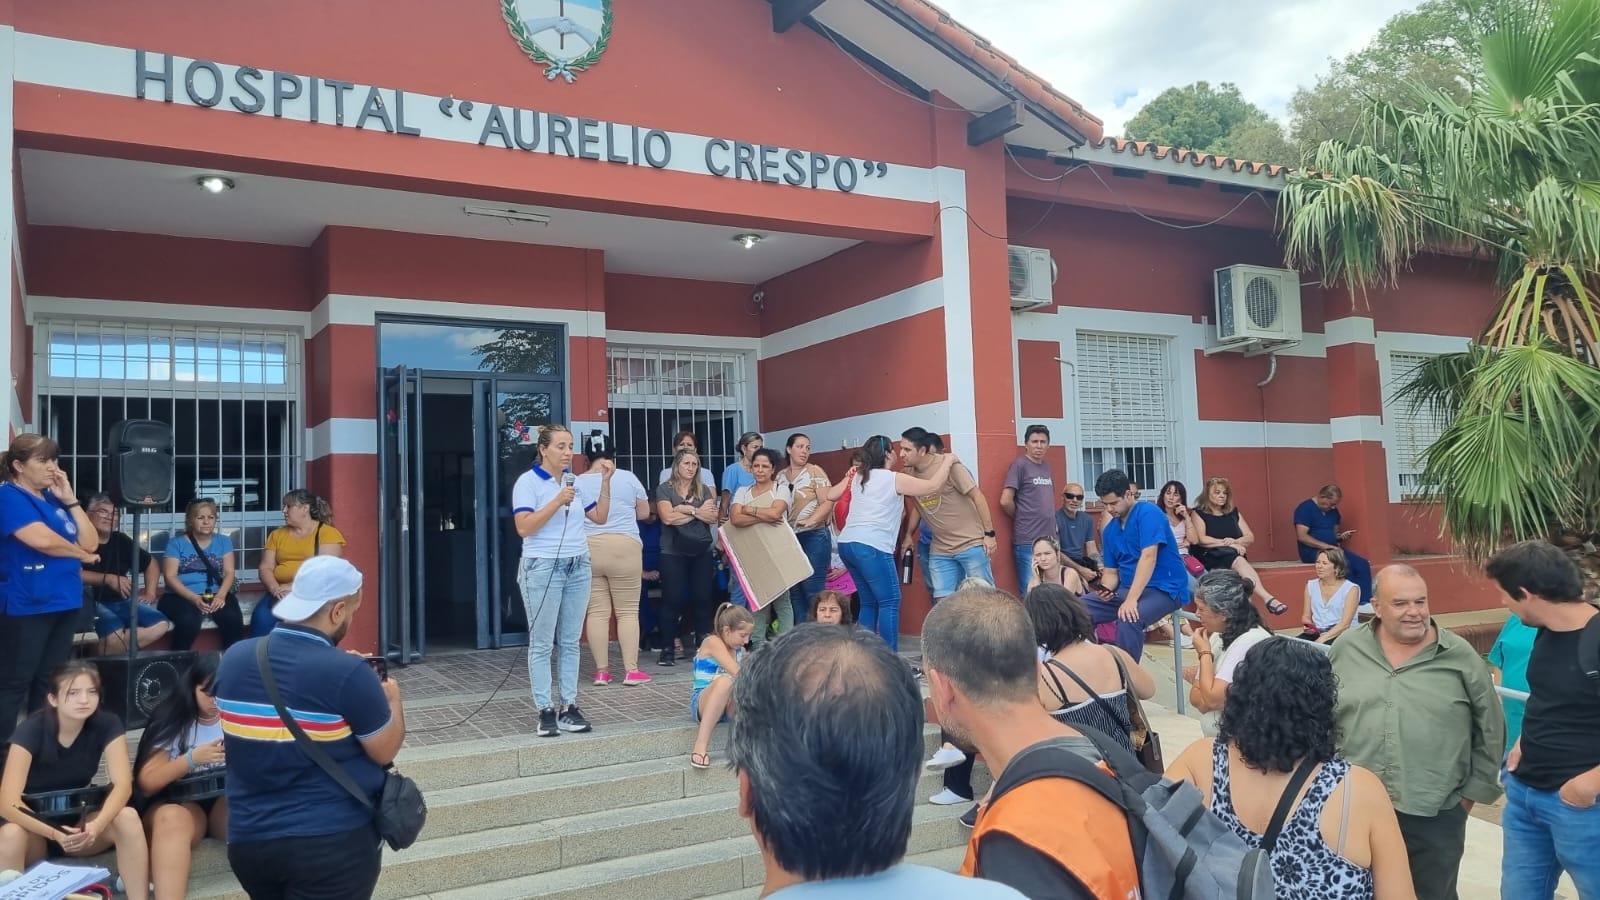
x,y
1400,596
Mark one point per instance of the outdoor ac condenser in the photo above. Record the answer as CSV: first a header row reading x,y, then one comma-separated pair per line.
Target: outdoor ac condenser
x,y
1032,274
1257,305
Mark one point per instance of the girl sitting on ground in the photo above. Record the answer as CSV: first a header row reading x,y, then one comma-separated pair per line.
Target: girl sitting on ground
x,y
715,667
60,748
831,608
184,737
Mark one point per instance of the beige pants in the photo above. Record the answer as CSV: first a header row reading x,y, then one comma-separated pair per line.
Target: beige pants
x,y
618,562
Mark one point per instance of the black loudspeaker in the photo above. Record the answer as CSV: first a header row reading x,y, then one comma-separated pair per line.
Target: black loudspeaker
x,y
139,463
155,674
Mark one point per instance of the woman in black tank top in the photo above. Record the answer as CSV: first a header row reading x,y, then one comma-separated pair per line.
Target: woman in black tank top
x,y
1223,539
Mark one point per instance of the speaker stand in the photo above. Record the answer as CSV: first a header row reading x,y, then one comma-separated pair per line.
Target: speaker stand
x,y
133,617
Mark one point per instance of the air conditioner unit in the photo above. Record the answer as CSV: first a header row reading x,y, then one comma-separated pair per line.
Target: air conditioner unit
x,y
1257,306
1032,273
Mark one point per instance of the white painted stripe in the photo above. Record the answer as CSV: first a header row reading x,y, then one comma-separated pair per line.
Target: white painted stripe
x,y
102,69
902,304
349,309
850,432
1350,330
1415,342
955,230
1357,428
1276,435
10,408
717,342
346,436
183,313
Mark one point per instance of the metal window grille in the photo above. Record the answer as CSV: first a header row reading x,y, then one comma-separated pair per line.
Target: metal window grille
x,y
1124,407
231,395
1415,428
655,393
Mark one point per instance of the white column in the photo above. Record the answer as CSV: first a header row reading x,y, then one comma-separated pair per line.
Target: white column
x,y
11,411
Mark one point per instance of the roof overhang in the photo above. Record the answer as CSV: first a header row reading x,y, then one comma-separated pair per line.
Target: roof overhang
x,y
1176,163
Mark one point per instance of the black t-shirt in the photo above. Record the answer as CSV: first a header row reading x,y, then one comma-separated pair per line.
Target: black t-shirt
x,y
1561,729
692,538
58,768
116,558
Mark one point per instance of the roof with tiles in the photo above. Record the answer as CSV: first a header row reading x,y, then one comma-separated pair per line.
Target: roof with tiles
x,y
1003,66
1194,157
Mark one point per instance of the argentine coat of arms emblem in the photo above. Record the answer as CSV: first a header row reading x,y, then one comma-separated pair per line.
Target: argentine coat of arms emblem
x,y
564,36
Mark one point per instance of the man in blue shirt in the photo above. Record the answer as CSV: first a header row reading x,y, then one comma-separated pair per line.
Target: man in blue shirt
x,y
1316,527
1144,579
292,830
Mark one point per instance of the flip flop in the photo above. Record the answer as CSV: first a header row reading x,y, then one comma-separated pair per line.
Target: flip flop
x,y
700,760
1276,607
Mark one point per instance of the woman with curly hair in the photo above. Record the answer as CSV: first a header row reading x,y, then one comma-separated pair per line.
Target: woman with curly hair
x,y
1222,601
1340,839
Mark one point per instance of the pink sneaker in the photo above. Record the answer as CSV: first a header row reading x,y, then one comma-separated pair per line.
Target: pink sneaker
x,y
636,677
601,679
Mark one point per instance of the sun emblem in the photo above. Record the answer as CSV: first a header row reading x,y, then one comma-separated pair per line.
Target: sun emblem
x,y
564,36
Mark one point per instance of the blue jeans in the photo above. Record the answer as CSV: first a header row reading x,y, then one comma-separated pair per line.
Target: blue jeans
x,y
925,560
262,621
1024,553
1154,605
949,571
819,552
555,594
879,586
112,618
1543,835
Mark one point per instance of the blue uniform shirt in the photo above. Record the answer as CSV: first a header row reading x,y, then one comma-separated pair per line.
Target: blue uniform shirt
x,y
1320,526
32,583
1123,542
274,789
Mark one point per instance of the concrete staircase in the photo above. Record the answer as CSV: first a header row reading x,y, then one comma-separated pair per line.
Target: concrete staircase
x,y
619,812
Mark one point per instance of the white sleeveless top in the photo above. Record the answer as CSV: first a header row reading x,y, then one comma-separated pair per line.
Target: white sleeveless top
x,y
875,511
1326,614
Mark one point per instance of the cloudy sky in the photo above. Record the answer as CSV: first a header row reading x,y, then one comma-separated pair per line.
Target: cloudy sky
x,y
1115,57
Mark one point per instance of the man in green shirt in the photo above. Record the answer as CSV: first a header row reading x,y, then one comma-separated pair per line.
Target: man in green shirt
x,y
1418,708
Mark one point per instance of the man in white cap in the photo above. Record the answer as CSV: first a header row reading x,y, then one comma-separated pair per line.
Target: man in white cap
x,y
292,830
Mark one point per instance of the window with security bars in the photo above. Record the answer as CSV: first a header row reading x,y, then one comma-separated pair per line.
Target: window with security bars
x,y
1415,427
231,395
655,393
1124,408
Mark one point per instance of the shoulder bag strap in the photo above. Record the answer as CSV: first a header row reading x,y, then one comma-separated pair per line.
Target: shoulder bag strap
x,y
1280,816
317,754
1589,652
1099,701
316,540
213,578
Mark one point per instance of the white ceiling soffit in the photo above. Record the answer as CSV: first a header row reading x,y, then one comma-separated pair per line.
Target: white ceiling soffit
x,y
931,67
125,195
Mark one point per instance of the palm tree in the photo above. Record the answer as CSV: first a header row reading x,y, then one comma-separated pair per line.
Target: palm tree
x,y
1512,175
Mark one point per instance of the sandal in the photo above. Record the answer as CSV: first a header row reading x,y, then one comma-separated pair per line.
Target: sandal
x,y
1276,607
700,760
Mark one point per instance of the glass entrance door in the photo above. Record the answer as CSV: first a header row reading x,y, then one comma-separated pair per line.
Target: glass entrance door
x,y
510,411
402,562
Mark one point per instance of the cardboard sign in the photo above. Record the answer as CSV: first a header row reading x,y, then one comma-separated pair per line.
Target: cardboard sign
x,y
766,559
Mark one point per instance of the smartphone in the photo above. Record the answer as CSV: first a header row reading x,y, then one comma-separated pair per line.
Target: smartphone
x,y
380,665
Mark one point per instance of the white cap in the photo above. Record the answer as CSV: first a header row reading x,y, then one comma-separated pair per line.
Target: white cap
x,y
320,581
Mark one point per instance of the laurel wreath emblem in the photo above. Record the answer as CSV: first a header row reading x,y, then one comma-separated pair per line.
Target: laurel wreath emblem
x,y
564,68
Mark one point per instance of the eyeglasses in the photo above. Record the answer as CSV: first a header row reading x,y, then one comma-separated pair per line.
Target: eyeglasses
x,y
1073,496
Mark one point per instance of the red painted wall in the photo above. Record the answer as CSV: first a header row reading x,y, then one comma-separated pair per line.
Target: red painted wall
x,y
680,306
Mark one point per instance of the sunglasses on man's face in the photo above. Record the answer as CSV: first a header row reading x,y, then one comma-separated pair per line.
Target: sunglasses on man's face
x,y
1073,496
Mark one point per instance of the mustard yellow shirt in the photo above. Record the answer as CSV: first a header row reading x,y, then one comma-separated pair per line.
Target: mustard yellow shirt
x,y
292,551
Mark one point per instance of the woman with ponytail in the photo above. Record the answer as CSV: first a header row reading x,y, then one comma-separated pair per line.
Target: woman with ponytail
x,y
715,667
307,531
867,542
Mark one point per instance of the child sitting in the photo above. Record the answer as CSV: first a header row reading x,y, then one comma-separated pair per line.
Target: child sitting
x,y
184,737
831,608
715,667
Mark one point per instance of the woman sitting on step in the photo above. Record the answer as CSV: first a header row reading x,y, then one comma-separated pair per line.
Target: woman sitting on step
x,y
715,667
183,739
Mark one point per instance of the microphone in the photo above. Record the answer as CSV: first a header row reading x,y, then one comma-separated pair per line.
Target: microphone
x,y
568,480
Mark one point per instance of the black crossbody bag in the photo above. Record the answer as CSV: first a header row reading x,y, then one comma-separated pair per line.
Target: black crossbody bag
x,y
400,811
213,577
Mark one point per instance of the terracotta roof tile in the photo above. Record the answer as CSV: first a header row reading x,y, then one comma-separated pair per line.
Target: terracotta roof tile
x,y
1194,157
1002,66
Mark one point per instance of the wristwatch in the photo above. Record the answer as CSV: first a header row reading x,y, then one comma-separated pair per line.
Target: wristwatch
x,y
988,534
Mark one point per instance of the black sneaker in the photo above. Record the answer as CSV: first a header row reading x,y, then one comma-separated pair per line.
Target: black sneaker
x,y
969,819
665,659
571,720
547,724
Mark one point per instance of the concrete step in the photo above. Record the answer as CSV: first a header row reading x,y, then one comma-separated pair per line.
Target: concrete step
x,y
948,860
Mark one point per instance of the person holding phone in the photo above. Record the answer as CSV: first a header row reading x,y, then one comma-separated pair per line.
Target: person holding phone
x,y
59,748
46,537
1317,524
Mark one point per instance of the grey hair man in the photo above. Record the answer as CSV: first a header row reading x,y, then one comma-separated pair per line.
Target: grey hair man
x,y
827,745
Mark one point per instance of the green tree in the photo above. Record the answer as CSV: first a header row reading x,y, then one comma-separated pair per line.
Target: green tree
x,y
1508,173
1212,120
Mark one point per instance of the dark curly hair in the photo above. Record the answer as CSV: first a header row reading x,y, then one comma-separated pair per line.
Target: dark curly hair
x,y
1059,617
1280,706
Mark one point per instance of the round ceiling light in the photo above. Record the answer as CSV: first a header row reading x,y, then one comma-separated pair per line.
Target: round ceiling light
x,y
214,184
747,241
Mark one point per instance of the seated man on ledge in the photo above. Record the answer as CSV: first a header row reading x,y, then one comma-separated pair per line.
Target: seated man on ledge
x,y
1316,527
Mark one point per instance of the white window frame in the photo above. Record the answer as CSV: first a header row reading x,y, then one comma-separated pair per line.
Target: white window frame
x,y
1387,344
742,402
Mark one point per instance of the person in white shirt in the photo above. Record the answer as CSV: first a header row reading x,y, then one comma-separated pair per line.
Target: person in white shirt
x,y
555,573
1222,601
616,557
